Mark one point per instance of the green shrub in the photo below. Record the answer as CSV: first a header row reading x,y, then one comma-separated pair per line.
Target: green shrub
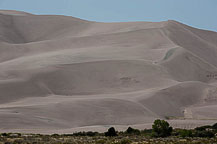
x,y
185,133
146,132
161,128
111,132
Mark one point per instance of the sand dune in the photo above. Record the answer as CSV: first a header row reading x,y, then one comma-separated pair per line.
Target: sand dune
x,y
63,74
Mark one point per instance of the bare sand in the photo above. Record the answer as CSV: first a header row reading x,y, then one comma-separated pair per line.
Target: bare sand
x,y
61,74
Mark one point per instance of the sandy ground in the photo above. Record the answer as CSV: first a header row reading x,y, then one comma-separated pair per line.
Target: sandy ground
x,y
61,74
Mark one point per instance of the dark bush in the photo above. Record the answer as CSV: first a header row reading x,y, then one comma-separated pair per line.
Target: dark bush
x,y
55,135
161,128
214,126
5,134
208,134
68,135
111,132
89,133
133,131
79,134
203,128
8,143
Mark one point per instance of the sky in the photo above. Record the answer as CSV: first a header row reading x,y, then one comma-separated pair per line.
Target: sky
x,y
197,13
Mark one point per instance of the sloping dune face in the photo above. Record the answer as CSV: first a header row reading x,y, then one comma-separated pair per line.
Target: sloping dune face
x,y
63,73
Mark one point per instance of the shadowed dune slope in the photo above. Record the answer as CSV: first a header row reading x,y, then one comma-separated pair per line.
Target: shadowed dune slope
x,y
60,72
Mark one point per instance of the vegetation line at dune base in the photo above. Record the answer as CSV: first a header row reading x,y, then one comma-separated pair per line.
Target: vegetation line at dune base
x,y
161,132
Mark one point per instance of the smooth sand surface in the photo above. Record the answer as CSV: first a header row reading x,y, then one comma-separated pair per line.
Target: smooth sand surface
x,y
61,74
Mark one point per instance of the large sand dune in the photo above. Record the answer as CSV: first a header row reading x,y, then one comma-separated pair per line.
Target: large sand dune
x,y
63,74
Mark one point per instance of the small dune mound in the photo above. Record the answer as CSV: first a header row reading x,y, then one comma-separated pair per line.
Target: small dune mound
x,y
172,101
